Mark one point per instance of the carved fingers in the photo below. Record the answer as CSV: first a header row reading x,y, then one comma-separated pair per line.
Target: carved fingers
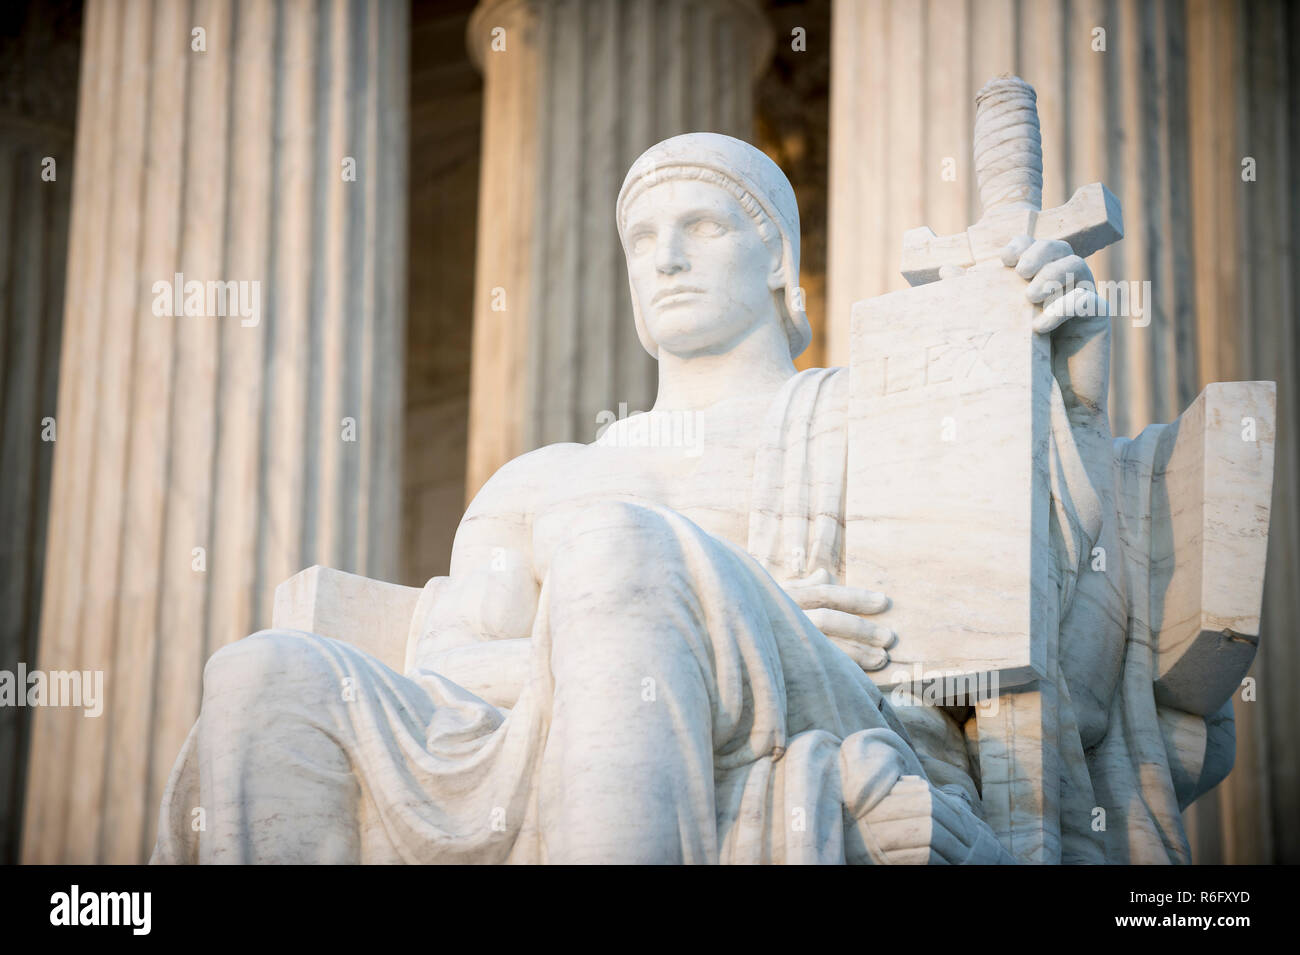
x,y
869,659
847,599
917,822
1060,281
837,612
1057,277
1014,249
846,626
1077,301
866,644
819,590
1033,255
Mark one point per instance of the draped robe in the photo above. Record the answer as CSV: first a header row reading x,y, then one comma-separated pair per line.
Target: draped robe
x,y
657,650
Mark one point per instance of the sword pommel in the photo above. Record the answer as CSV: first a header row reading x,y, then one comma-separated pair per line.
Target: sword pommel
x,y
1008,145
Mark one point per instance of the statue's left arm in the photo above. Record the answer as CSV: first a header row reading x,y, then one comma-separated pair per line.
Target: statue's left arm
x,y
1085,528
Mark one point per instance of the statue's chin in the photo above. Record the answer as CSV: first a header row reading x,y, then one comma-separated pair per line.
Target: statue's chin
x,y
698,335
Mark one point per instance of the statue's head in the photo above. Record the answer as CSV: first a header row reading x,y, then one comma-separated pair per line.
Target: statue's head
x,y
710,229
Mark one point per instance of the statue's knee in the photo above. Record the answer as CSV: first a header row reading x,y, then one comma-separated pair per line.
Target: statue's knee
x,y
616,531
264,661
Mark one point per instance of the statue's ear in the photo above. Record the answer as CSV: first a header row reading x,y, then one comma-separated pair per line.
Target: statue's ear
x,y
776,276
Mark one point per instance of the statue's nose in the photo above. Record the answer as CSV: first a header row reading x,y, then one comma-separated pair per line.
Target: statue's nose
x,y
670,259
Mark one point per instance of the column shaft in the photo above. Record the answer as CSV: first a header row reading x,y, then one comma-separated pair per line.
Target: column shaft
x,y
37,118
203,458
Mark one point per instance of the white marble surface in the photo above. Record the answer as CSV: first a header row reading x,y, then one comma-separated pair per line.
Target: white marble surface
x,y
372,615
647,650
948,483
623,664
1210,517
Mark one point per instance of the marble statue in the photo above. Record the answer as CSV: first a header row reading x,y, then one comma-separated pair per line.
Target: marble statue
x,y
647,649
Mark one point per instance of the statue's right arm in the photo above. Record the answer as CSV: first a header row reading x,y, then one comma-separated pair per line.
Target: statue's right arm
x,y
477,631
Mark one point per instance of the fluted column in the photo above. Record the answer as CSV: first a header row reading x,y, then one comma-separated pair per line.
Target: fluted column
x,y
1112,107
1162,101
1242,134
202,459
574,91
38,105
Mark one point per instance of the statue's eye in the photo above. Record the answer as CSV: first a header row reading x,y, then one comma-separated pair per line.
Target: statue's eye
x,y
642,243
707,228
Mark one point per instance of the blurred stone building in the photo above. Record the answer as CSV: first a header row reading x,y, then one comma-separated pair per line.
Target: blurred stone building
x,y
422,194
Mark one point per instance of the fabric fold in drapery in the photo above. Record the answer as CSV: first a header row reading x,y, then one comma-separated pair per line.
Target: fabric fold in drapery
x,y
1130,767
389,768
799,749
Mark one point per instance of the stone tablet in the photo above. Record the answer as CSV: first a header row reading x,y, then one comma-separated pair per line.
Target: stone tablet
x,y
948,493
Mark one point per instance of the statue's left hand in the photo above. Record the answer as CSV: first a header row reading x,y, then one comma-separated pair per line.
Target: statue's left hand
x,y
1071,311
837,612
1059,281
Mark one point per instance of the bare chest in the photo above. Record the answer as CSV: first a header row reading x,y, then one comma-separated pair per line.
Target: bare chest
x,y
706,476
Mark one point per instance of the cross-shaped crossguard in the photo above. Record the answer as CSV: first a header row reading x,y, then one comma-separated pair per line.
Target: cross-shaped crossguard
x,y
1009,170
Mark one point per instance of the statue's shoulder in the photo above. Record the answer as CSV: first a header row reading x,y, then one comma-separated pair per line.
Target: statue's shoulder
x,y
537,468
513,491
549,456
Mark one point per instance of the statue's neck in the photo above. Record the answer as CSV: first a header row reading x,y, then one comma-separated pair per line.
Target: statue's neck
x,y
756,367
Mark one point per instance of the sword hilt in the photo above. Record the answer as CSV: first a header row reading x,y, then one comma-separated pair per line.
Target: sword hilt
x,y
1008,145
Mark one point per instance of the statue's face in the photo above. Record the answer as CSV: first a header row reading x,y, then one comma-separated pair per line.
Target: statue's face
x,y
702,275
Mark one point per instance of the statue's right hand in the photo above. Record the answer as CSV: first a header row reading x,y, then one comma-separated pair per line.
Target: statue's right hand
x,y
918,823
837,612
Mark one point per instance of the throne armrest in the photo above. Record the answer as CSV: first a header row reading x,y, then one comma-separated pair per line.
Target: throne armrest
x,y
372,615
1210,497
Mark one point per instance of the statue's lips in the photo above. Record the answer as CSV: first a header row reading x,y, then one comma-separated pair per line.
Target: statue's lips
x,y
672,296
